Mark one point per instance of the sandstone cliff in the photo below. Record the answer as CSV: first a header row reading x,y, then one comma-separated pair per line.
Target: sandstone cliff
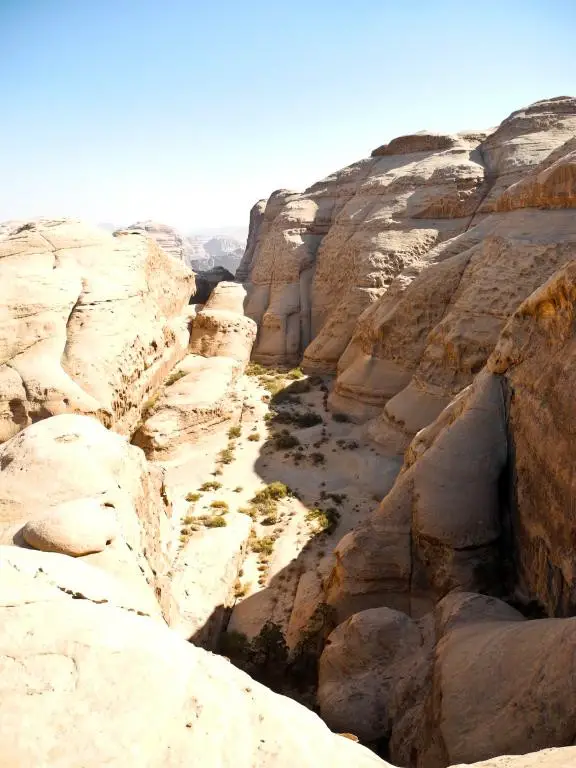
x,y
316,260
91,323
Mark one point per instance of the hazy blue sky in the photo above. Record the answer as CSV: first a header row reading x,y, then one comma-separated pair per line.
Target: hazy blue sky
x,y
188,111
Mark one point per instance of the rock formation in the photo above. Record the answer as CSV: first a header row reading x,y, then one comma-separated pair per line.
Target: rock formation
x,y
160,499
361,238
470,681
168,238
91,323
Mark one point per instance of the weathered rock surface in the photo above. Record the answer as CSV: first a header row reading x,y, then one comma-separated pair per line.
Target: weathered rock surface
x,y
168,238
416,238
427,337
67,482
202,578
440,526
90,323
472,681
220,328
200,398
255,223
97,670
75,528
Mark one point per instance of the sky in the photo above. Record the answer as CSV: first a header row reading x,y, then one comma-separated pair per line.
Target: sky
x,y
188,111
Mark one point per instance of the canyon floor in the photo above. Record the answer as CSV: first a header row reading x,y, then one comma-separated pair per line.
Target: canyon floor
x,y
333,480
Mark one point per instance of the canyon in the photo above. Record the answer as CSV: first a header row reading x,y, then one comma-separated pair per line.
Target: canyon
x,y
318,514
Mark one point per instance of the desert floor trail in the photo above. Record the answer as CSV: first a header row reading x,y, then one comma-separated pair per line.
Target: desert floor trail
x,y
333,479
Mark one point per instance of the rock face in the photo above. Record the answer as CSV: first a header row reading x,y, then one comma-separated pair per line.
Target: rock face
x,y
91,323
220,328
168,238
200,395
472,680
427,337
71,641
418,236
93,496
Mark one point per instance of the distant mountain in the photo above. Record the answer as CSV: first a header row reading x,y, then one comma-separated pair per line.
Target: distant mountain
x,y
201,250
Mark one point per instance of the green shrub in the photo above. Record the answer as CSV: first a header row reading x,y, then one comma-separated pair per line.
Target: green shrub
x,y
211,485
264,546
325,520
234,432
295,373
275,490
219,504
174,377
284,440
214,521
227,455
193,496
255,369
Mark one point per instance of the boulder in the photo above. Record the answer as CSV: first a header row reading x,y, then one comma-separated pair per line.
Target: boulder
x,y
91,323
75,528
69,485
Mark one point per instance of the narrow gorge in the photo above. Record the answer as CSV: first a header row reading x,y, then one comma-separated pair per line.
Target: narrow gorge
x,y
323,518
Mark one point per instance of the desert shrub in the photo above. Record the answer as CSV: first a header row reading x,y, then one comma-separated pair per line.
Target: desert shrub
x,y
149,404
295,373
270,519
238,489
211,485
307,419
234,432
255,369
254,437
213,521
324,520
284,440
317,458
189,520
340,417
227,455
193,496
275,490
219,504
264,546
174,377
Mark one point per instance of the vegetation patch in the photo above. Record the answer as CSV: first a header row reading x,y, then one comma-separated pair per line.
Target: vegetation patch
x,y
325,520
211,485
193,496
234,432
341,417
254,437
174,377
219,504
285,440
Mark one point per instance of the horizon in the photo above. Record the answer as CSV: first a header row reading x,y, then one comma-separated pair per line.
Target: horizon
x,y
187,115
